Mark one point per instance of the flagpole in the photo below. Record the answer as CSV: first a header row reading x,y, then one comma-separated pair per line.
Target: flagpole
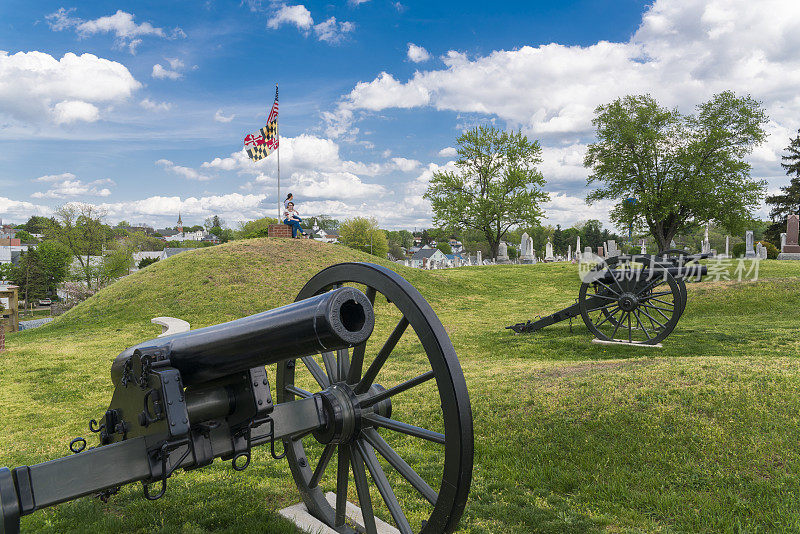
x,y
278,135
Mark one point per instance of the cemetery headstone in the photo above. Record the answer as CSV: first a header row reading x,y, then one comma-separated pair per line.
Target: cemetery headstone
x,y
569,253
727,246
791,250
478,257
526,249
502,253
600,252
611,248
783,240
548,252
587,252
749,251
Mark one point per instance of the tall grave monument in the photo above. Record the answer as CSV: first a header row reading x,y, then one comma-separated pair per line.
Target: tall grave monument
x,y
791,250
502,253
526,249
749,251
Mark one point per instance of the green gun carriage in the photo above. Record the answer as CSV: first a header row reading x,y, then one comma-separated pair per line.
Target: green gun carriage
x,y
184,400
635,299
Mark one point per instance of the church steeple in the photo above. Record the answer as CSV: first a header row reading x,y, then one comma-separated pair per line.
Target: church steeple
x,y
180,223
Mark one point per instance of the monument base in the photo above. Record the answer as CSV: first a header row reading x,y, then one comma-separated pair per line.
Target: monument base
x,y
789,256
527,261
503,262
299,515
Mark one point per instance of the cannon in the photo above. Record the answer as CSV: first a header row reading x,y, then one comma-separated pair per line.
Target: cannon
x,y
184,400
634,299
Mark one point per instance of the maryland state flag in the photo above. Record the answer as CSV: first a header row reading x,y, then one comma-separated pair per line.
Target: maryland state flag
x,y
259,145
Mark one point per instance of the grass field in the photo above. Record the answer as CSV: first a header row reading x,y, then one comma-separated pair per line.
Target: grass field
x,y
570,436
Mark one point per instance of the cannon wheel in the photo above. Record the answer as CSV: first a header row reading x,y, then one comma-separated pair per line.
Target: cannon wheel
x,y
642,310
612,262
453,449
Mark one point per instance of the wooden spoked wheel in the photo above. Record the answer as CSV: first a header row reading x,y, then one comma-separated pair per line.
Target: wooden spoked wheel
x,y
399,419
631,299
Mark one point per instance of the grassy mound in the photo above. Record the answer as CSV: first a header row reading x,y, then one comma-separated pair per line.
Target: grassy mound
x,y
570,436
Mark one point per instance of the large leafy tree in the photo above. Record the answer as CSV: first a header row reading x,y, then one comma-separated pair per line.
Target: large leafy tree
x,y
788,200
79,228
496,185
684,170
363,234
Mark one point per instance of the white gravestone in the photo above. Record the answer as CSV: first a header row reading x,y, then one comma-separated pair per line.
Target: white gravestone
x,y
502,253
749,251
611,249
569,253
548,254
526,249
578,249
727,246
644,247
783,240
478,258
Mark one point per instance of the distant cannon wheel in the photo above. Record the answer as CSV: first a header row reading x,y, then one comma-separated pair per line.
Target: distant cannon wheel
x,y
397,400
630,300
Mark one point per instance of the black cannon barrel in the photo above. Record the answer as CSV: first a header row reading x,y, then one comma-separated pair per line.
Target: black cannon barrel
x,y
330,321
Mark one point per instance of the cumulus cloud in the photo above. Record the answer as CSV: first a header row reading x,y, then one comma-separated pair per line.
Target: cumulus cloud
x,y
448,152
330,31
150,105
161,72
20,210
405,164
682,53
231,207
220,117
66,185
121,24
417,54
186,172
36,87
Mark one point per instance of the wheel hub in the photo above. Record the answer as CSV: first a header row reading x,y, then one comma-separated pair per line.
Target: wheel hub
x,y
628,302
343,412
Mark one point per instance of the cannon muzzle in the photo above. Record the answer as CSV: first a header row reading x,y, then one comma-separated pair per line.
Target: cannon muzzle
x,y
327,322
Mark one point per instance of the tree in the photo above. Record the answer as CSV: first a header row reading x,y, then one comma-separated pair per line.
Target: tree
x,y
684,170
37,224
323,222
445,247
256,228
54,259
363,234
25,237
496,185
79,228
788,200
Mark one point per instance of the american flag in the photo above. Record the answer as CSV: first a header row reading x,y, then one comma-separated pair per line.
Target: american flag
x,y
259,145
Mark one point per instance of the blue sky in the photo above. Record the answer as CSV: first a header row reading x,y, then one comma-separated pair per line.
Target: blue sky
x,y
141,108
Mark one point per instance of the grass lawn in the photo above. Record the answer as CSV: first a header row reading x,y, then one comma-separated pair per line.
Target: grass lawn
x,y
570,436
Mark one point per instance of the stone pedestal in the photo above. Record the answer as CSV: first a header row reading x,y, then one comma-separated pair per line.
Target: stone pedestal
x,y
791,250
279,230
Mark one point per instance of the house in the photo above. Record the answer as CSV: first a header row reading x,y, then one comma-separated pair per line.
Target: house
x,y
178,234
208,238
147,254
7,231
326,237
456,245
426,258
169,252
10,250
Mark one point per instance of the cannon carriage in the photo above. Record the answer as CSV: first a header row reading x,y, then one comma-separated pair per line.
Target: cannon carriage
x,y
635,299
184,400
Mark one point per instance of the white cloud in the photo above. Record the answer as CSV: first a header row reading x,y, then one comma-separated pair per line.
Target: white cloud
x,y
175,63
121,24
71,111
155,106
358,2
297,15
66,185
186,172
329,31
160,72
20,210
682,54
36,87
220,117
333,185
448,152
417,54
406,165
231,207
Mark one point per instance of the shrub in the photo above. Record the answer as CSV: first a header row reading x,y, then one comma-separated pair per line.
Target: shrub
x,y
146,261
737,251
772,250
